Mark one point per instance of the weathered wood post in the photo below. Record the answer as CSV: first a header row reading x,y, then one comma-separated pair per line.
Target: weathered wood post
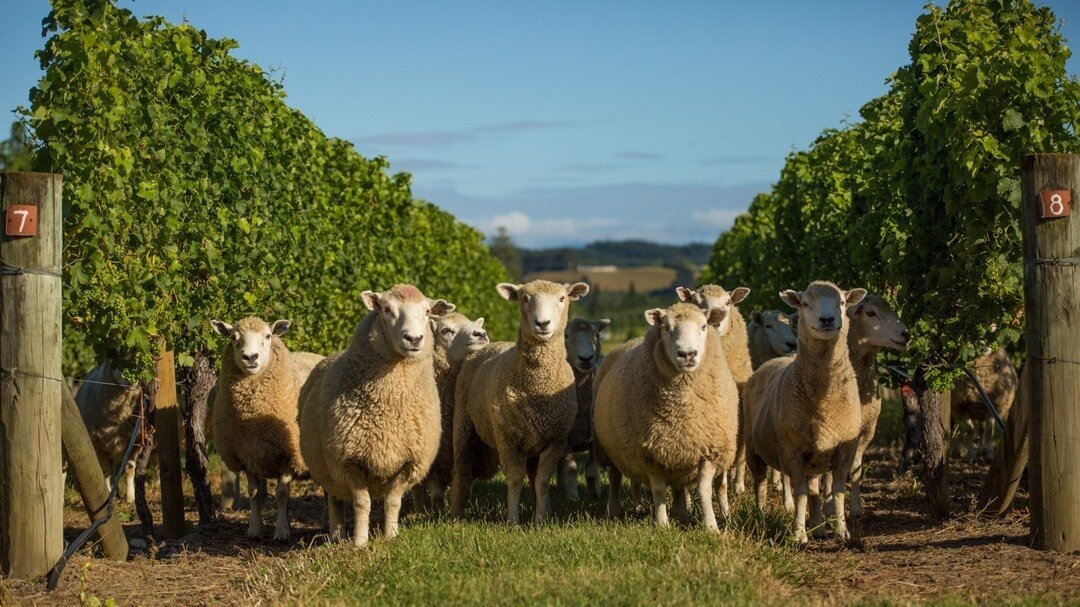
x,y
1010,455
86,472
167,430
31,477
1052,315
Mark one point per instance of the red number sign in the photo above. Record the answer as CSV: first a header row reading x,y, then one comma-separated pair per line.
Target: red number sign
x,y
1055,203
21,220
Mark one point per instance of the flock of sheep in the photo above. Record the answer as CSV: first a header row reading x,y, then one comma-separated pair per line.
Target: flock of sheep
x,y
422,403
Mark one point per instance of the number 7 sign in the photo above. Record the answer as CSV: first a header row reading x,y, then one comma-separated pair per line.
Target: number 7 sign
x,y
21,220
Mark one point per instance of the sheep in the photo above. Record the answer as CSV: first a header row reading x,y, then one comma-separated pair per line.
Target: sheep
x,y
518,398
999,379
254,413
583,353
770,335
666,411
736,350
455,338
369,416
874,325
802,415
109,412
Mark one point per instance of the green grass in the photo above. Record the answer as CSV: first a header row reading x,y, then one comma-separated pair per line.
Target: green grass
x,y
577,559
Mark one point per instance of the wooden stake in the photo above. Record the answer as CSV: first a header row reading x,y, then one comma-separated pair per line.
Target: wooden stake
x,y
31,477
167,428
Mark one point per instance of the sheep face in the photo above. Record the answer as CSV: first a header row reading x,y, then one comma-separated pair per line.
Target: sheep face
x,y
583,342
822,307
403,313
251,341
876,324
714,296
446,327
778,329
469,338
684,332
544,305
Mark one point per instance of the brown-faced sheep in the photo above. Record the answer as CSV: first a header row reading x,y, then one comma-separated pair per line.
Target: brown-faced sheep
x,y
519,398
254,413
369,416
455,338
999,379
802,414
667,411
771,335
583,354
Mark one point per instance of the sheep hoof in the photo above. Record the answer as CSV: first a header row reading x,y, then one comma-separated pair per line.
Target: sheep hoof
x,y
281,535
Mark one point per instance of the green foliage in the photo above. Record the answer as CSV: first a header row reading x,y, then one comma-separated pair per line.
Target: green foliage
x,y
920,201
17,151
192,191
503,248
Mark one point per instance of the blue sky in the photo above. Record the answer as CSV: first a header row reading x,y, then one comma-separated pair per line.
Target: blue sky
x,y
564,121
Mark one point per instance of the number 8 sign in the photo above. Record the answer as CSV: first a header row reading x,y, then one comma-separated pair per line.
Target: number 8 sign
x,y
1055,203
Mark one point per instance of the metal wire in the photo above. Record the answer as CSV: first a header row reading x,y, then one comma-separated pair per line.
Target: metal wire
x,y
10,270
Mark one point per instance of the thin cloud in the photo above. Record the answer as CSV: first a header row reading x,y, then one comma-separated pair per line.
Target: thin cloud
x,y
736,160
639,156
590,167
436,138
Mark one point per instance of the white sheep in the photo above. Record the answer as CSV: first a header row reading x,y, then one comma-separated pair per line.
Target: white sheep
x,y
108,405
254,413
369,416
583,353
666,411
770,335
518,399
802,415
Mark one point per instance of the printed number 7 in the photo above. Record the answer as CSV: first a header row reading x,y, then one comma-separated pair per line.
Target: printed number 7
x,y
22,222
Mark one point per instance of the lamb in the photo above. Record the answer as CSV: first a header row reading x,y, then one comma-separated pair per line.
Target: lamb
x,y
666,411
802,415
999,379
736,350
455,338
369,416
770,335
518,399
109,414
254,413
583,353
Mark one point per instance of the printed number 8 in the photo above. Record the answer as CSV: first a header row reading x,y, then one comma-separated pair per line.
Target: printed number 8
x,y
1057,205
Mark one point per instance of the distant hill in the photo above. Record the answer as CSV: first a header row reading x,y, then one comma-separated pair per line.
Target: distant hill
x,y
622,253
644,279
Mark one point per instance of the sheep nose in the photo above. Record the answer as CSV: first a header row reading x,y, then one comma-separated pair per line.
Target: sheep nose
x,y
585,359
414,341
250,358
826,321
543,324
686,354
791,345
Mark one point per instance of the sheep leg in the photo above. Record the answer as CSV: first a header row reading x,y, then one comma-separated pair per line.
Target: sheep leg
x,y
841,469
706,475
680,504
777,479
514,469
592,475
361,501
462,477
970,433
740,467
392,507
281,492
230,488
797,481
813,488
759,471
856,483
549,462
659,500
129,481
725,508
635,492
256,494
567,476
826,494
436,492
785,487
614,505
335,518
988,439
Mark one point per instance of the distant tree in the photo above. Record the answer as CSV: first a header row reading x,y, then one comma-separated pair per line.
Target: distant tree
x,y
17,151
592,303
503,248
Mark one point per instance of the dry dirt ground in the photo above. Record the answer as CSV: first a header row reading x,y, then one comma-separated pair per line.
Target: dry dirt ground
x,y
909,557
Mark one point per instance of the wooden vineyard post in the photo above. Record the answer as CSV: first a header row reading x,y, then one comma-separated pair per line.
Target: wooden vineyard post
x,y
86,472
31,477
167,435
1052,316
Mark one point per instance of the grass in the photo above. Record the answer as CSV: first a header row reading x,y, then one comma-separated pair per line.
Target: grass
x,y
578,559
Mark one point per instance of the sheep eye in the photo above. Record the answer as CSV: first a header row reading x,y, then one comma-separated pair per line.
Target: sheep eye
x,y
267,336
478,334
872,314
703,327
768,326
728,304
562,299
447,331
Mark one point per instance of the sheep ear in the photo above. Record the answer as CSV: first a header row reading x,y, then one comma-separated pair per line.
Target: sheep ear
x,y
685,294
479,322
441,307
280,327
223,329
755,317
434,326
577,290
792,298
602,324
739,294
508,291
854,296
716,316
372,300
654,316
